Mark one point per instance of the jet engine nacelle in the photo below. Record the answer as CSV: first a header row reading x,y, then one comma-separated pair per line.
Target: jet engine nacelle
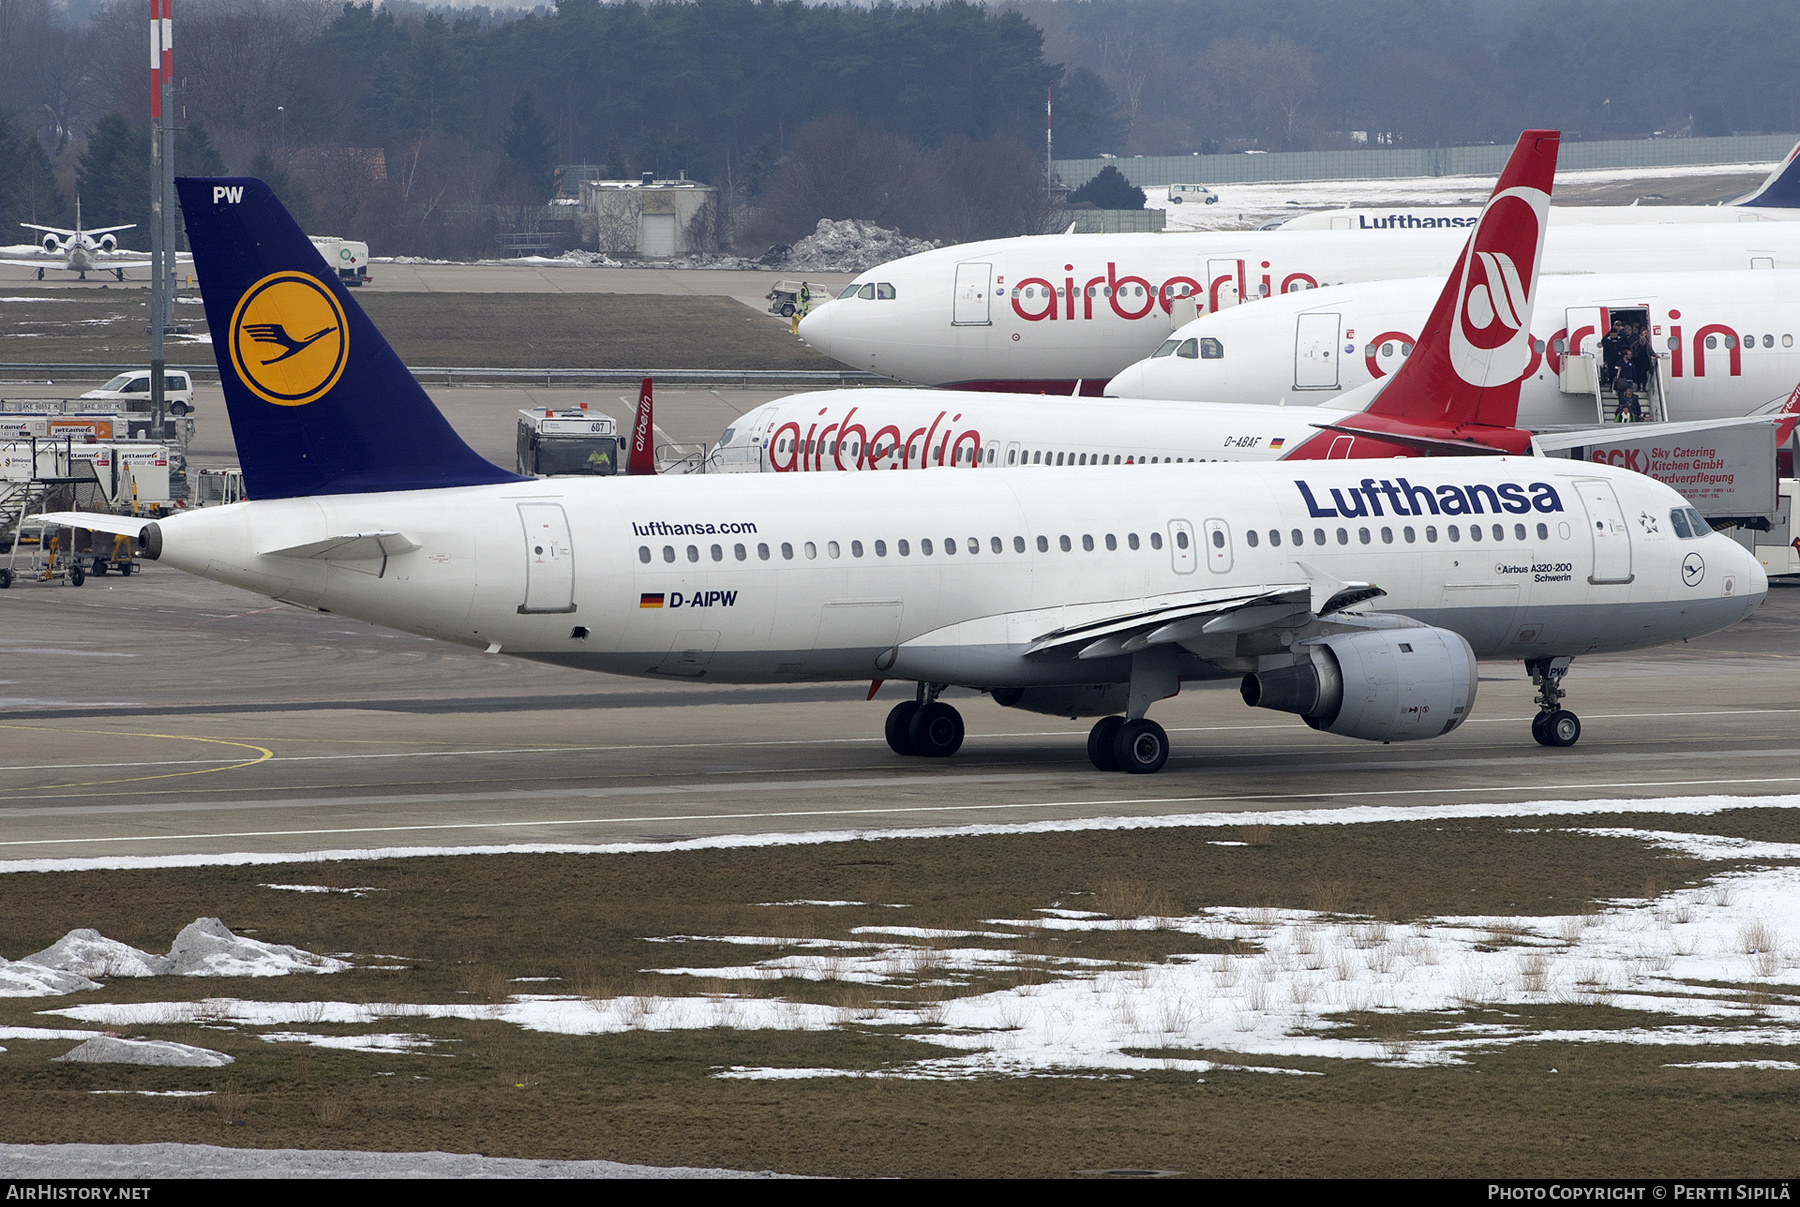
x,y
1389,685
1072,701
109,243
52,243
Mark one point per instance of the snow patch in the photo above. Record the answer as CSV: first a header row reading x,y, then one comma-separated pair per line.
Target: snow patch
x,y
207,947
89,953
106,1049
849,245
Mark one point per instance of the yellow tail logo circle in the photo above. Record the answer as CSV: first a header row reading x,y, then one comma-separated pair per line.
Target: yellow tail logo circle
x,y
289,339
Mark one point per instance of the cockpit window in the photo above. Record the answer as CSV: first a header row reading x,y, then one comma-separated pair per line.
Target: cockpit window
x,y
884,291
1168,347
1211,349
1188,349
729,433
867,293
1698,523
849,291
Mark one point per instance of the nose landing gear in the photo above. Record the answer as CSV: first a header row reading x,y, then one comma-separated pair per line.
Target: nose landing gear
x,y
1554,725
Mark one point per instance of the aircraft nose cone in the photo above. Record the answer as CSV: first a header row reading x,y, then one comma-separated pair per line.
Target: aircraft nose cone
x,y
815,328
1129,383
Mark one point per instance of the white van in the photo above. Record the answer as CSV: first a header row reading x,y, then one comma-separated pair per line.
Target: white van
x,y
1197,193
134,387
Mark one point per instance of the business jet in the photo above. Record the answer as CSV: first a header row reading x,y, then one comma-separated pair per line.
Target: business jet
x,y
1776,199
1054,312
82,251
1098,602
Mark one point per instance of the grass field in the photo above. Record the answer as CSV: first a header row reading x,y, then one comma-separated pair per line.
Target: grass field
x,y
871,1007
517,330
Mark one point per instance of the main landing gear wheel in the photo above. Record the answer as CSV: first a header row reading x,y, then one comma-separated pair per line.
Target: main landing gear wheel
x,y
936,730
1100,742
1558,728
899,720
1141,747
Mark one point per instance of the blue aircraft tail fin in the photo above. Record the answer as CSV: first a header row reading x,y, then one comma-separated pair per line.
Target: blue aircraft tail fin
x,y
1782,189
319,403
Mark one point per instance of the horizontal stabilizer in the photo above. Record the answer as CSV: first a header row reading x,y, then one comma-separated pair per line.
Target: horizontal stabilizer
x,y
352,547
1782,189
1447,443
98,521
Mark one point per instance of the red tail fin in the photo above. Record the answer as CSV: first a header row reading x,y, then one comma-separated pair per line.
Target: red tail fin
x,y
1461,384
643,435
1790,415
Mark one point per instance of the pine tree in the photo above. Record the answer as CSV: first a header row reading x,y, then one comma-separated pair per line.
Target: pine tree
x,y
112,177
287,190
195,154
529,148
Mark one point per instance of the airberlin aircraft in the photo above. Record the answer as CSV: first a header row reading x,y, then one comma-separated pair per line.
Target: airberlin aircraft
x,y
1424,408
1724,344
1075,603
1044,313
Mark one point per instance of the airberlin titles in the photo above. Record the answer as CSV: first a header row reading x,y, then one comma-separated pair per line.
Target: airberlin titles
x,y
1549,353
1132,297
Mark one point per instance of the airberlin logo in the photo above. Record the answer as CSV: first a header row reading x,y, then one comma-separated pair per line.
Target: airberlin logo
x,y
1490,340
289,339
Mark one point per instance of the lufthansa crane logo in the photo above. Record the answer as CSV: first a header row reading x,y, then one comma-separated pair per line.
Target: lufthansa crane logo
x,y
289,339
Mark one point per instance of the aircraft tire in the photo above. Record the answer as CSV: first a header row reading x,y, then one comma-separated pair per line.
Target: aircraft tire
x,y
1141,747
1100,742
936,731
1562,728
899,719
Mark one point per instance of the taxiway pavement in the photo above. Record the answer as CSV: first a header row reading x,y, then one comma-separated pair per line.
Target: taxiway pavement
x,y
165,715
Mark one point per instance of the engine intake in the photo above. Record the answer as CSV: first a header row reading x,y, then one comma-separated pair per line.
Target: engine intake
x,y
1386,685
108,243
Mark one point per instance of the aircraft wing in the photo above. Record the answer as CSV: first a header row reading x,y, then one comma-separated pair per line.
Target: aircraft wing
x,y
1123,627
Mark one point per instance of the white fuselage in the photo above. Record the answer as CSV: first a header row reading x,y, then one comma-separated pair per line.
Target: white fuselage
x,y
1702,328
781,578
1046,311
1401,220
901,429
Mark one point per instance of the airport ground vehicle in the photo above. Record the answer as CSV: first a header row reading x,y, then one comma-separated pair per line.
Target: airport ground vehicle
x,y
213,487
788,298
1197,194
552,443
348,257
1776,549
134,388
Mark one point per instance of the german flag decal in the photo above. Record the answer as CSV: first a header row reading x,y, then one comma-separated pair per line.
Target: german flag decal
x,y
650,601
1277,442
